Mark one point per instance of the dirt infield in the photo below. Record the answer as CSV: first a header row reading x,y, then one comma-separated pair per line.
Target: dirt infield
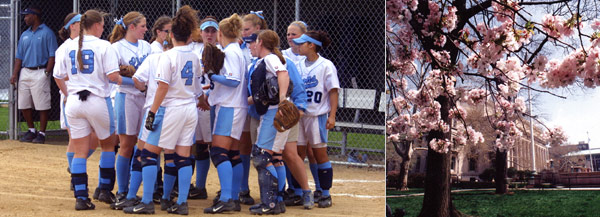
x,y
34,182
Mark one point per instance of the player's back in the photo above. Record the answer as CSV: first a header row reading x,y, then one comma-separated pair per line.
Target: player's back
x,y
98,58
180,68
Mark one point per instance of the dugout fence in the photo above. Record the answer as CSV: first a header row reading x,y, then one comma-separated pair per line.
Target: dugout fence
x,y
356,29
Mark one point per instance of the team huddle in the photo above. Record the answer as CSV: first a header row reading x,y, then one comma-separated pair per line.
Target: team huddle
x,y
201,91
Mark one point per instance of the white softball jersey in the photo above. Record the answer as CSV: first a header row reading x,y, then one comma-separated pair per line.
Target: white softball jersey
x,y
99,60
180,69
234,67
145,74
130,54
156,47
319,79
296,58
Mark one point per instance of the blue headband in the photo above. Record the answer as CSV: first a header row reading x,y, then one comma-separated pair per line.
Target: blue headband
x,y
209,23
76,18
258,13
303,23
305,38
120,22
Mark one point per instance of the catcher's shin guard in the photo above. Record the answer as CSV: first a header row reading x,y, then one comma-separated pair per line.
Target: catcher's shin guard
x,y
267,181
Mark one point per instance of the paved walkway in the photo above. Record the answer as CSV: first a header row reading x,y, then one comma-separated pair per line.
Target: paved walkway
x,y
493,189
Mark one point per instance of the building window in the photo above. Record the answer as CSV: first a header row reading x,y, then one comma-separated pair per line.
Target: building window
x,y
418,164
472,164
453,163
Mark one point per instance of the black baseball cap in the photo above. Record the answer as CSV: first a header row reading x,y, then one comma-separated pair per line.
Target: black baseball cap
x,y
31,10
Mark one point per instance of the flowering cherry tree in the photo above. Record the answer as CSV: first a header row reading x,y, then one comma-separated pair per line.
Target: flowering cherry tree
x,y
444,55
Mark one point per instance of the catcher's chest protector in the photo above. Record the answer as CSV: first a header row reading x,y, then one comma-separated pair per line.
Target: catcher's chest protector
x,y
257,82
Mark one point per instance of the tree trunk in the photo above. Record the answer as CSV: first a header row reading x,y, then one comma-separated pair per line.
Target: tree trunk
x,y
405,154
501,184
437,201
403,182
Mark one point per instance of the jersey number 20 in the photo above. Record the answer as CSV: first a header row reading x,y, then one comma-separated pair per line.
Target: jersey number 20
x,y
317,95
88,61
188,73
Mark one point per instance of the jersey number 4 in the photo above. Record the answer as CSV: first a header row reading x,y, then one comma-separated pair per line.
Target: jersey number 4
x,y
187,73
88,61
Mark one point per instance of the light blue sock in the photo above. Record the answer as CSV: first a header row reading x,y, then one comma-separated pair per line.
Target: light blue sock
x,y
79,167
168,181
315,175
185,177
91,152
246,164
136,177
70,158
273,171
236,181
149,174
280,180
326,165
225,172
123,173
202,167
107,160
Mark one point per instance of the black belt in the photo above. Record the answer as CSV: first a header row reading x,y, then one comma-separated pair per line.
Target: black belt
x,y
37,67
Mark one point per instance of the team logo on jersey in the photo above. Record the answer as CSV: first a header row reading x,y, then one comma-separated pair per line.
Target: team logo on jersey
x,y
136,62
310,82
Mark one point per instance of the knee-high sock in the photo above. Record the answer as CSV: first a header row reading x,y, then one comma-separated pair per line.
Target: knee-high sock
x,y
185,177
325,177
149,177
246,165
123,173
280,182
70,158
202,167
136,175
107,170
169,179
159,177
236,181
225,172
79,177
315,175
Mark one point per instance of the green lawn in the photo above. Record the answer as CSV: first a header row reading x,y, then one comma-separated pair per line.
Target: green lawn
x,y
359,140
52,125
522,203
409,191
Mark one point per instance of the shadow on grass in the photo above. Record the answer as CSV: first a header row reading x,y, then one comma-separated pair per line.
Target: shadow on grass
x,y
521,203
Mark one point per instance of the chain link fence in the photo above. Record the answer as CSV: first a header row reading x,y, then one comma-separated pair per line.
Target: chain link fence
x,y
356,29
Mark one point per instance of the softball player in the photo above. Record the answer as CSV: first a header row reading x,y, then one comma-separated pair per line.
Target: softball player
x,y
270,142
160,30
298,183
294,30
92,62
127,39
173,115
228,113
69,32
322,84
208,33
251,23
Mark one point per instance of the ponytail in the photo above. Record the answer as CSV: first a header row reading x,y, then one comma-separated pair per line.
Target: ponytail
x,y
83,24
270,41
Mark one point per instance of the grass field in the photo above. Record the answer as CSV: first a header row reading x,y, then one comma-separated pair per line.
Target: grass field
x,y
359,140
521,203
52,125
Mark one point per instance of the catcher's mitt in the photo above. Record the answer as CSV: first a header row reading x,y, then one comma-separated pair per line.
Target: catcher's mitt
x,y
212,59
126,71
287,116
